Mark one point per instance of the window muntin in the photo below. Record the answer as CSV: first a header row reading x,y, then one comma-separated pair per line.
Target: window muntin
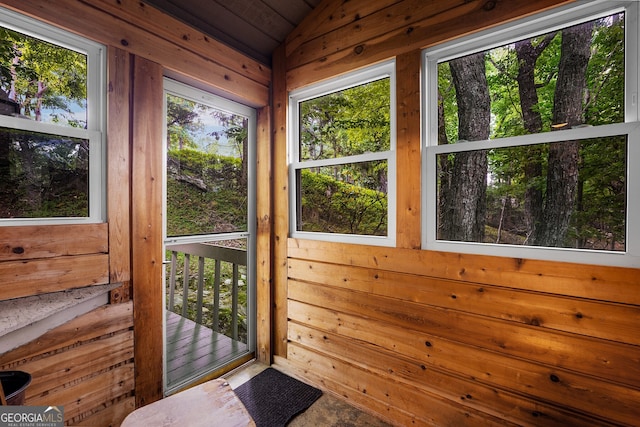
x,y
603,142
52,120
342,171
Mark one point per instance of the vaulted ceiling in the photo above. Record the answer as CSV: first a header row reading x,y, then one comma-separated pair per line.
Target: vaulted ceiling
x,y
253,27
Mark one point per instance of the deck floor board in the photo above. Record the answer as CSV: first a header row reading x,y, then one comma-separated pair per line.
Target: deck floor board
x,y
194,349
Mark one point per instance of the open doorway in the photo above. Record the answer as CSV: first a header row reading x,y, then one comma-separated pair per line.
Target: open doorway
x,y
209,235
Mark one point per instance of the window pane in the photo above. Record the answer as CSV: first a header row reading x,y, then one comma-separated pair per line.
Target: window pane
x,y
346,199
42,175
570,195
568,78
41,81
345,123
206,169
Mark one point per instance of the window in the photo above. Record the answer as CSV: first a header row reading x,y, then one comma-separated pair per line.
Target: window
x,y
51,124
342,158
532,133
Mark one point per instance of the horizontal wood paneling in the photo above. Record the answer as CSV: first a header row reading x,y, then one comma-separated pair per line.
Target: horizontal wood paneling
x,y
606,360
39,276
85,365
32,242
402,27
511,406
602,283
373,23
90,393
106,320
329,16
175,31
88,358
609,321
428,408
116,411
41,259
155,38
384,409
528,357
455,359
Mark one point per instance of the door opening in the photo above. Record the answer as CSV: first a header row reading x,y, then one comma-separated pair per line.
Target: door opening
x,y
209,236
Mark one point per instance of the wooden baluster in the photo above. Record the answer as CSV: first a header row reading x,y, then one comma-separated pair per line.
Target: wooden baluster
x,y
216,298
185,285
200,289
172,279
234,302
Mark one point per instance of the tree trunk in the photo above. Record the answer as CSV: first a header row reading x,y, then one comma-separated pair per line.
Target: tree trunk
x,y
444,170
528,55
562,173
465,203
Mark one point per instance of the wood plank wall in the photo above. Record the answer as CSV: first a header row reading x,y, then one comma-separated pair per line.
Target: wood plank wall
x,y
36,259
87,364
432,338
410,331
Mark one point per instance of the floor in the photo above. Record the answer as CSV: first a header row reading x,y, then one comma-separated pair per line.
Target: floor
x,y
328,411
193,349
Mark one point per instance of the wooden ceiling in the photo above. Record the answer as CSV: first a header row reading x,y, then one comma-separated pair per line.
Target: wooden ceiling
x,y
253,27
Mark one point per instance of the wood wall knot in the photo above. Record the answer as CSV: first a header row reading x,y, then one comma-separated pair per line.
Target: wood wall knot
x,y
534,321
124,42
17,250
358,49
490,5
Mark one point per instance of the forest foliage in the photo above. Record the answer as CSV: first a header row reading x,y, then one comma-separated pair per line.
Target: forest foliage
x,y
42,175
562,194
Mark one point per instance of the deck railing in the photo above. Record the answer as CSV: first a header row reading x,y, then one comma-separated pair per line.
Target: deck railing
x,y
204,251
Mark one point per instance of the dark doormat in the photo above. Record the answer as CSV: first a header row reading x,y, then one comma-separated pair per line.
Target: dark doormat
x,y
273,398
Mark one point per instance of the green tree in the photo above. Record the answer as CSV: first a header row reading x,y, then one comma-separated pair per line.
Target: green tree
x,y
346,123
182,123
548,194
38,75
47,83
